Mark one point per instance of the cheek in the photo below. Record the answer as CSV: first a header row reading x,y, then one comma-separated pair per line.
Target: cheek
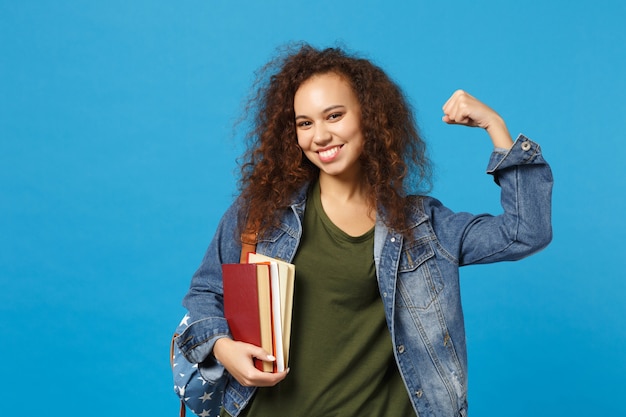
x,y
356,134
352,128
302,140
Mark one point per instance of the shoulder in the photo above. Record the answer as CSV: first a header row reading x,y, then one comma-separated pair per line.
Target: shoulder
x,y
422,207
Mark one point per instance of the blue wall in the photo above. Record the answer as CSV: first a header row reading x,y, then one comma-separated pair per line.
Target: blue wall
x,y
117,156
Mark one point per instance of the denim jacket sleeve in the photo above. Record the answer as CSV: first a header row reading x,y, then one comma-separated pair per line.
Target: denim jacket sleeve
x,y
523,228
204,300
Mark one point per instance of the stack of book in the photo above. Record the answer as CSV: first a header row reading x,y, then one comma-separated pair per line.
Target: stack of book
x,y
258,301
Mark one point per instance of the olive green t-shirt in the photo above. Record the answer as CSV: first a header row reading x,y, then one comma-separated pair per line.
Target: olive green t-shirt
x,y
341,362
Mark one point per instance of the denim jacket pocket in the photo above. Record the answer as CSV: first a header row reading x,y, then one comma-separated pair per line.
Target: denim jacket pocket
x,y
419,281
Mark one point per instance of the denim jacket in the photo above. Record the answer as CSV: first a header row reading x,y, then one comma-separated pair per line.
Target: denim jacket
x,y
418,278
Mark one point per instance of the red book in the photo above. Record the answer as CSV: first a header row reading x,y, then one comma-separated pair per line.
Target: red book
x,y
247,306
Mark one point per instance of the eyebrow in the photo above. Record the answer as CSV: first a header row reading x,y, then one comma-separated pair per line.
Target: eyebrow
x,y
326,110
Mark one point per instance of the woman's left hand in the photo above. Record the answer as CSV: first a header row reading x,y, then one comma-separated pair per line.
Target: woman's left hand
x,y
464,109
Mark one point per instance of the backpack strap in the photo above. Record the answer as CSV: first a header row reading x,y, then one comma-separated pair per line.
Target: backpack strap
x,y
248,245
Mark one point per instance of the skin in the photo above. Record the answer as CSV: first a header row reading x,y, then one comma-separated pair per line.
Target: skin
x,y
329,133
464,109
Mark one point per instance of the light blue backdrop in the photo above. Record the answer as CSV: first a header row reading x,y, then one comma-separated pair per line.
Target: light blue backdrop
x,y
117,156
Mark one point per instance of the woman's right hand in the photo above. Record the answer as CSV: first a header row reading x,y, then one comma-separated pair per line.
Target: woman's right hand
x,y
237,358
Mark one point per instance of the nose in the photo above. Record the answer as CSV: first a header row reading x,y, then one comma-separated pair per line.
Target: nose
x,y
322,135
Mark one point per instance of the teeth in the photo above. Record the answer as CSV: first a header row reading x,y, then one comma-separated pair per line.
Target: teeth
x,y
329,153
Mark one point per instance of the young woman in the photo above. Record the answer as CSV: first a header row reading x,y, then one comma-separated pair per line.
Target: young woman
x,y
331,183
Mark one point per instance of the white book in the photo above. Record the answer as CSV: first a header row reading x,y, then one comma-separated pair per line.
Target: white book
x,y
276,317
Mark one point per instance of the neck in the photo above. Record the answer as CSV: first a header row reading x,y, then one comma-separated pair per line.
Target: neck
x,y
343,189
347,204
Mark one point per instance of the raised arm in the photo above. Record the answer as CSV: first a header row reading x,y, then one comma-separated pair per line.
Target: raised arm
x,y
525,179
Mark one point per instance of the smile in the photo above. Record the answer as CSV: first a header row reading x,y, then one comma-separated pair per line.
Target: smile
x,y
329,154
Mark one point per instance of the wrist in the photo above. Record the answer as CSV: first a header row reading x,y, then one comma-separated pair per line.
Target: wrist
x,y
499,134
220,345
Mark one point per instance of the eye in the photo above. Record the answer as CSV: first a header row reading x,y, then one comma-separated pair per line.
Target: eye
x,y
335,116
303,124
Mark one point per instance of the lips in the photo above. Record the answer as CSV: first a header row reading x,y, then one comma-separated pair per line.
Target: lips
x,y
327,155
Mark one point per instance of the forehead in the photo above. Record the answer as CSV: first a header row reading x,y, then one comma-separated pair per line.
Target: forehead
x,y
323,90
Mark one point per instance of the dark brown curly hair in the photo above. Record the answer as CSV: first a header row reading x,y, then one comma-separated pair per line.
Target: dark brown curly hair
x,y
274,167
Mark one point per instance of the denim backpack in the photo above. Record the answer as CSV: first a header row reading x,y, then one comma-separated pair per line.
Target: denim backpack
x,y
199,395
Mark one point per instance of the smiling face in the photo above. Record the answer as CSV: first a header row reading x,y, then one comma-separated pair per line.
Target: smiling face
x,y
328,125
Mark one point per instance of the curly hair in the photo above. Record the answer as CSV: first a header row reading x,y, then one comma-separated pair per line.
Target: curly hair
x,y
274,167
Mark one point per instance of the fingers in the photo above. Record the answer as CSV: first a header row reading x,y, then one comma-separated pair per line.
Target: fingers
x,y
463,109
257,378
458,109
243,369
238,359
259,353
449,103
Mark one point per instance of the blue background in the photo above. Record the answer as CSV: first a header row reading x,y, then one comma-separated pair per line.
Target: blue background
x,y
117,158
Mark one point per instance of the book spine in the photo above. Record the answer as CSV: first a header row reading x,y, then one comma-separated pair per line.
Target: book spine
x,y
276,318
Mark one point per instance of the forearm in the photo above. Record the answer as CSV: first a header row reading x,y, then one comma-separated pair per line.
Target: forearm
x,y
499,133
